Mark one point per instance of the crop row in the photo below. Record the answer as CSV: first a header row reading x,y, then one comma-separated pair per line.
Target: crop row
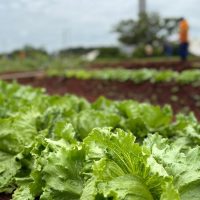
x,y
54,147
137,76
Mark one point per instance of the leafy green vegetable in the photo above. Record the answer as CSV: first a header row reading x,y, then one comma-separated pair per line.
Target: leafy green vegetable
x,y
137,76
54,147
183,164
125,162
86,120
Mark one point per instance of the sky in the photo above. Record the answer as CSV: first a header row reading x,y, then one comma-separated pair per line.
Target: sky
x,y
56,24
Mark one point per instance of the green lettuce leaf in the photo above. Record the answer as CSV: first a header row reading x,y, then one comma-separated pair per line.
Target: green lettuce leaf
x,y
86,120
180,162
117,158
56,171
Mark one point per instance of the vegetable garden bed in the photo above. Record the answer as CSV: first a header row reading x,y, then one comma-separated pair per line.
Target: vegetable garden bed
x,y
168,65
136,76
181,97
63,147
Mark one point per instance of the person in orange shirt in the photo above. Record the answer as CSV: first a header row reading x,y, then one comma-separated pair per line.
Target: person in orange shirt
x,y
183,37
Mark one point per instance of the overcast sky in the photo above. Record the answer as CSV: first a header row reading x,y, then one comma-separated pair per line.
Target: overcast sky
x,y
54,24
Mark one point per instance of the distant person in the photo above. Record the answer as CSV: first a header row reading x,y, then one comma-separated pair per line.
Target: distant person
x,y
183,37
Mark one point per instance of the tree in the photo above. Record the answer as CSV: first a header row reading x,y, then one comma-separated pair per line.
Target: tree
x,y
146,30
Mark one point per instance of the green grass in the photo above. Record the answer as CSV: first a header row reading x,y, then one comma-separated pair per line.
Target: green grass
x,y
39,63
72,62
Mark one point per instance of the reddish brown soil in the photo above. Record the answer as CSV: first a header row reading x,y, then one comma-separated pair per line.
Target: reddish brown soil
x,y
180,97
173,65
5,197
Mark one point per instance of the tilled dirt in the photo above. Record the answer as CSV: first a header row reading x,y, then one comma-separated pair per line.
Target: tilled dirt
x,y
180,97
169,65
5,197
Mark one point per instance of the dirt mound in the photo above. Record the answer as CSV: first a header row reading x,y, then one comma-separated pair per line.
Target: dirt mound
x,y
180,97
169,65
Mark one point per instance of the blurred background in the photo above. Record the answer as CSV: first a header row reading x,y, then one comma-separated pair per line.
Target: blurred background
x,y
119,28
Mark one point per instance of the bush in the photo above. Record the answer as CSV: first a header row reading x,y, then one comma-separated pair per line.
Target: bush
x,y
106,52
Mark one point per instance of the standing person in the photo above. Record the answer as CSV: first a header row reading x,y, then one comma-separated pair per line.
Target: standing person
x,y
183,37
